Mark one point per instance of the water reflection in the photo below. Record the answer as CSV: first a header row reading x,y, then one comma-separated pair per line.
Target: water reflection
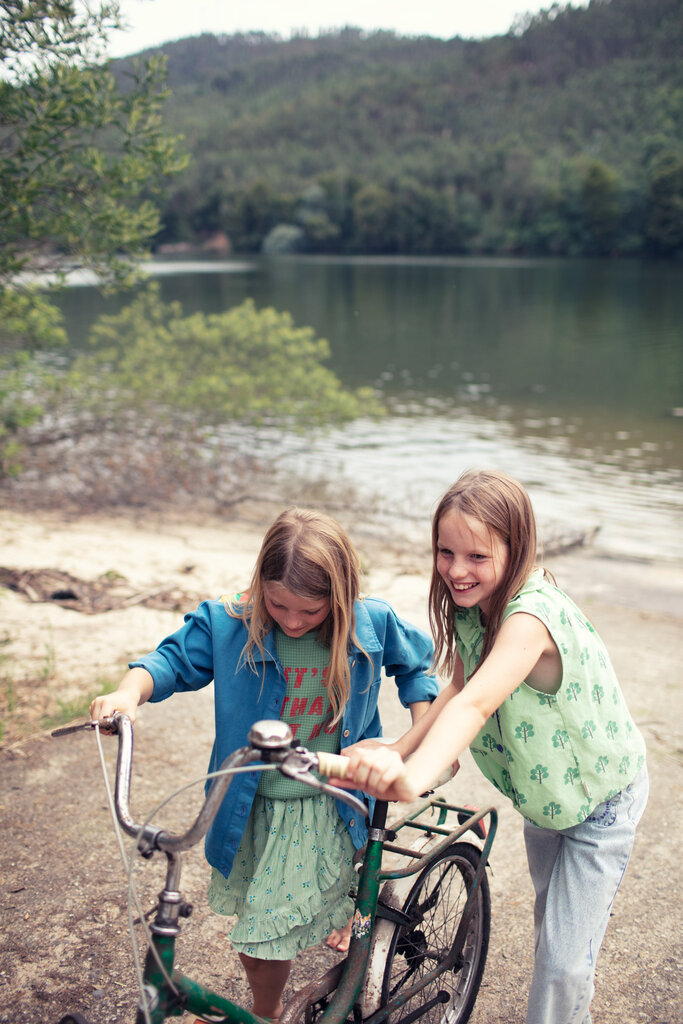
x,y
398,469
565,373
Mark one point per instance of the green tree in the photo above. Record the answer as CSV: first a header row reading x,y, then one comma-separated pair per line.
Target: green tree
x,y
79,156
245,364
560,738
250,213
373,219
284,238
600,206
573,690
313,217
78,153
665,221
539,773
597,693
552,810
524,731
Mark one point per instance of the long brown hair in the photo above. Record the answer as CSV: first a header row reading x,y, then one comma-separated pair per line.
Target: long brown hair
x,y
504,507
310,554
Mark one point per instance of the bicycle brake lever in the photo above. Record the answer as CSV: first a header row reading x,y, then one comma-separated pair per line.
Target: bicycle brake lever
x,y
343,794
298,764
105,724
66,729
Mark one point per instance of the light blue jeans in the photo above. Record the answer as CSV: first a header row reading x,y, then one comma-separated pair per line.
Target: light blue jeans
x,y
576,873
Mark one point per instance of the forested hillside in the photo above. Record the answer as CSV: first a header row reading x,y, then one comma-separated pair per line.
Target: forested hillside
x,y
563,137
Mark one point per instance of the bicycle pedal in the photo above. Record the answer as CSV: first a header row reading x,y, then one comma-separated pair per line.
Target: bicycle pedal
x,y
479,828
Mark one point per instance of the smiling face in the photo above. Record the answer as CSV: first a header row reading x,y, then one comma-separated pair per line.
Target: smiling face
x,y
471,559
294,615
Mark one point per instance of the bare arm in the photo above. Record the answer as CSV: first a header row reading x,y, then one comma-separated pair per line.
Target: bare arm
x,y
456,716
418,709
414,736
423,714
135,688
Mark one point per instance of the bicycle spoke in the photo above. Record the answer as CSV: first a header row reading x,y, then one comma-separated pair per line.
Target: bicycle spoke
x,y
435,907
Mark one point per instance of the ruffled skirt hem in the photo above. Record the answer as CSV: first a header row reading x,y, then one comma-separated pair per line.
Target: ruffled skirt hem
x,y
290,880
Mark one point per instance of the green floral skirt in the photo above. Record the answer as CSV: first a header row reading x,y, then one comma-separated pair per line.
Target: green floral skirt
x,y
290,880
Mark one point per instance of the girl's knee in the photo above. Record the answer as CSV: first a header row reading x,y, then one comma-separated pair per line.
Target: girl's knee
x,y
556,973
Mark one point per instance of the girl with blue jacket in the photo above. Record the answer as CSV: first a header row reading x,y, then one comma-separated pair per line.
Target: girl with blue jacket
x,y
303,646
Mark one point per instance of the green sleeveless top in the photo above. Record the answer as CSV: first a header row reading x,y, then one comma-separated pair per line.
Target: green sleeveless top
x,y
306,708
556,755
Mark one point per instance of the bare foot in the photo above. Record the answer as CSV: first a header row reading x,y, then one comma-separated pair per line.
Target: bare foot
x,y
340,938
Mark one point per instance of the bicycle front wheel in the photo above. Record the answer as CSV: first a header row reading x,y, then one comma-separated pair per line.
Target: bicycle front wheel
x,y
434,906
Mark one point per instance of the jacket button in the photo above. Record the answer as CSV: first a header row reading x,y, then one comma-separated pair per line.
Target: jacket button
x,y
352,822
346,734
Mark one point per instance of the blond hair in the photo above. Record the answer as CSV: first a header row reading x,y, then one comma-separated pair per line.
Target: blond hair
x,y
310,554
504,507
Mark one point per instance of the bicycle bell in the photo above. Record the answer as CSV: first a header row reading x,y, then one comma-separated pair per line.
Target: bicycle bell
x,y
270,735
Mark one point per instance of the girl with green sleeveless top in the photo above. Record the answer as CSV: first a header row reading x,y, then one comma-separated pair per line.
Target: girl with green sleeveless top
x,y
533,694
300,644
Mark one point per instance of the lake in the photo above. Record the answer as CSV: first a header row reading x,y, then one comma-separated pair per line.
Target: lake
x,y
566,374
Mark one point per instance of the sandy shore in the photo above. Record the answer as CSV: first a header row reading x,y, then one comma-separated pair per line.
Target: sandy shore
x,y
55,653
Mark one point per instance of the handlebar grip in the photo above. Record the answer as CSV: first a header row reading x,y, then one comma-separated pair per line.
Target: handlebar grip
x,y
332,765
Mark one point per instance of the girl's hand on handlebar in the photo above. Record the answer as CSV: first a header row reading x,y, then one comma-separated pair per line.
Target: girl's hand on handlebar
x,y
135,688
105,706
379,771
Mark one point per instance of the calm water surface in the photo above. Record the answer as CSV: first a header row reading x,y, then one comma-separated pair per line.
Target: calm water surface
x,y
566,374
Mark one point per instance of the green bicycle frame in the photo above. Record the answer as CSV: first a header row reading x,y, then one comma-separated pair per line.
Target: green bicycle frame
x,y
168,993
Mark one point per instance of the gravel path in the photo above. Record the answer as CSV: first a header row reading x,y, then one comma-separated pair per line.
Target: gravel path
x,y
64,941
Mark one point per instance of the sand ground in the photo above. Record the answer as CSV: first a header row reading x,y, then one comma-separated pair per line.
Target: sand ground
x,y
64,942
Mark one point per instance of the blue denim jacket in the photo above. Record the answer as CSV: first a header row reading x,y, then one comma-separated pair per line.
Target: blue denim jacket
x,y
209,646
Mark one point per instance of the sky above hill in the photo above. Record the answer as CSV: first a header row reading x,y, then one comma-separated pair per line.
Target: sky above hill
x,y
153,22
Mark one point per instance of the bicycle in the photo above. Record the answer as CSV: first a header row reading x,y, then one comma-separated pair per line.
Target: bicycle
x,y
420,932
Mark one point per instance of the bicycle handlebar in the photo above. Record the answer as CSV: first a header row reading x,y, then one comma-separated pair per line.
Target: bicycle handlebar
x,y
336,766
270,745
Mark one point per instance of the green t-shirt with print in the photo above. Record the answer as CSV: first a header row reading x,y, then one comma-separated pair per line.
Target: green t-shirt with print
x,y
306,707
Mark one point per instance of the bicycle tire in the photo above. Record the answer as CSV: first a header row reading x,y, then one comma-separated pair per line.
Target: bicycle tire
x,y
74,1018
435,904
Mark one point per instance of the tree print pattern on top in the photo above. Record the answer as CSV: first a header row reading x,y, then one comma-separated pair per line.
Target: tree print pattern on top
x,y
556,756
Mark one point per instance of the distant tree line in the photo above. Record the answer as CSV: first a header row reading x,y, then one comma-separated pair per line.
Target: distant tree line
x,y
563,137
587,210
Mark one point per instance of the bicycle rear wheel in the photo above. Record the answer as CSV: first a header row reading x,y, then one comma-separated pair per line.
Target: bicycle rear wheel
x,y
435,905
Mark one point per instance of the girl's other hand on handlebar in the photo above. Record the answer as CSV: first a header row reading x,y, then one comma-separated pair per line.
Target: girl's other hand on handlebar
x,y
136,687
105,706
